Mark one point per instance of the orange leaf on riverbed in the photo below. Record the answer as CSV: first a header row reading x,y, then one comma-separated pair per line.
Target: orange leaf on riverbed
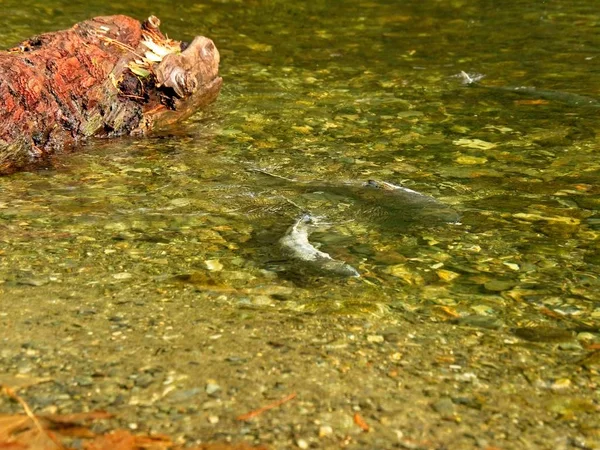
x,y
124,440
358,420
31,432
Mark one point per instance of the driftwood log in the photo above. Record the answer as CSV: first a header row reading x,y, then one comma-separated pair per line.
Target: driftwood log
x,y
105,77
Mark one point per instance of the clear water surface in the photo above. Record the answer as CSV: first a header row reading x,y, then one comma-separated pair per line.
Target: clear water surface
x,y
351,91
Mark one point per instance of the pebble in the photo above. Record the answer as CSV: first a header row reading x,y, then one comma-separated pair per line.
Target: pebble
x,y
561,384
447,275
32,281
122,276
499,285
445,408
375,338
573,346
301,443
144,380
482,310
586,337
180,202
213,419
262,300
210,404
325,430
116,226
397,356
212,388
473,143
404,273
24,369
180,395
84,381
470,160
214,265
510,265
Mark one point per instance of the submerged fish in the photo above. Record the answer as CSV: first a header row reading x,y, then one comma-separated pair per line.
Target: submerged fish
x,y
567,98
396,200
387,204
372,201
296,244
397,203
406,205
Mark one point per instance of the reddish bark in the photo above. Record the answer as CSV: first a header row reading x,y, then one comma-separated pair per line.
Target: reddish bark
x,y
59,88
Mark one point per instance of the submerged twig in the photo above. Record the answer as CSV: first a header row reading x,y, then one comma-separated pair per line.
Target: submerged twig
x,y
293,203
264,172
12,394
469,79
259,411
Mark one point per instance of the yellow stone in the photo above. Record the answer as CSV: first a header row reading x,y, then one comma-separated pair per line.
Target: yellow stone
x,y
554,220
402,272
214,265
471,160
260,47
447,275
474,143
303,129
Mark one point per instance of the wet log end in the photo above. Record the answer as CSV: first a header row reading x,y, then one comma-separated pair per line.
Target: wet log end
x,y
105,77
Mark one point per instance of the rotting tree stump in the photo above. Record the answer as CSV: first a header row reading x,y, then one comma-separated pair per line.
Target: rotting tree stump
x,y
105,77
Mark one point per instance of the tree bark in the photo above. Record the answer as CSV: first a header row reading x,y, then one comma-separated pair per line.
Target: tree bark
x,y
105,77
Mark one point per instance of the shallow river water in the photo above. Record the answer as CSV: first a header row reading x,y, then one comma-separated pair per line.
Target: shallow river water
x,y
145,276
